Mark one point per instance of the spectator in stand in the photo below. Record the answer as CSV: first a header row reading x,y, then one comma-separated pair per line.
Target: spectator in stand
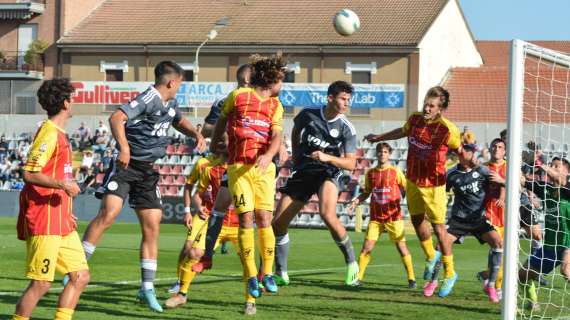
x,y
101,142
3,148
5,169
89,183
17,181
88,159
24,147
106,159
81,137
101,128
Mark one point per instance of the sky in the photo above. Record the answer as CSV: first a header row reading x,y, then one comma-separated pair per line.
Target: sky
x,y
520,19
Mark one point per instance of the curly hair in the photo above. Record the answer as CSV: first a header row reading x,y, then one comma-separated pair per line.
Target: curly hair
x,y
53,93
267,71
441,93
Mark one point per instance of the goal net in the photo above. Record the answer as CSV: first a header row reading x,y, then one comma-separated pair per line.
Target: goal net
x,y
537,233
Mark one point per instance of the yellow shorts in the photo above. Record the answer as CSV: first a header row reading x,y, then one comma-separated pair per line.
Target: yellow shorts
x,y
198,227
228,234
46,254
251,189
501,231
431,201
395,230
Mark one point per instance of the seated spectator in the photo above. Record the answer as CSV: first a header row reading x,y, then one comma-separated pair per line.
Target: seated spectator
x,y
101,128
88,184
17,182
5,169
88,158
81,137
3,148
106,159
101,142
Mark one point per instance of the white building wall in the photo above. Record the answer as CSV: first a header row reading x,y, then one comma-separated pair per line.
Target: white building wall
x,y
447,44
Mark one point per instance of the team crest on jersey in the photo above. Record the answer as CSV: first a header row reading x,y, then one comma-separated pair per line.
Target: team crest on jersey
x,y
171,112
43,147
134,104
157,113
113,185
475,175
333,133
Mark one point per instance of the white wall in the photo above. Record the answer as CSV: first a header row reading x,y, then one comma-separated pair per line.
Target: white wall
x,y
446,44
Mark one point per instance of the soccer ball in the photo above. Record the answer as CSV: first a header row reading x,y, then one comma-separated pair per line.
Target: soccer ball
x,y
346,22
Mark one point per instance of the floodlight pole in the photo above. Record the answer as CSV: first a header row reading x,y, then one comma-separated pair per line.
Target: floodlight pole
x,y
211,35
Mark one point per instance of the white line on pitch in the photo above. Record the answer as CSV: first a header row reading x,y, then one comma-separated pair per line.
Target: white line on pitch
x,y
125,282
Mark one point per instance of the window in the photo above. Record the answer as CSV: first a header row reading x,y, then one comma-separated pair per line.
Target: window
x,y
289,77
188,75
113,75
361,77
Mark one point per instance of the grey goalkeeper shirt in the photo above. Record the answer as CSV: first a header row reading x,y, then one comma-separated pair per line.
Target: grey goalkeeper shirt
x,y
469,190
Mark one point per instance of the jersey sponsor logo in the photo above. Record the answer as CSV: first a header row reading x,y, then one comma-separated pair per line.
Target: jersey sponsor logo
x,y
157,113
471,187
317,142
160,129
248,121
67,168
419,144
334,133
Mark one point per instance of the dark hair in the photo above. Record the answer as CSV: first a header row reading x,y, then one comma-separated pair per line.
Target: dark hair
x,y
164,69
240,74
497,140
53,93
267,71
503,133
383,145
340,86
563,160
441,93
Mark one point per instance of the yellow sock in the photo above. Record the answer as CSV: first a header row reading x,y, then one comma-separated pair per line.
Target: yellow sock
x,y
499,282
248,297
267,248
448,265
363,261
17,317
407,261
247,248
186,275
427,246
63,314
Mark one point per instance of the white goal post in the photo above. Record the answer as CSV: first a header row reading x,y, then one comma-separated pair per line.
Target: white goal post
x,y
520,52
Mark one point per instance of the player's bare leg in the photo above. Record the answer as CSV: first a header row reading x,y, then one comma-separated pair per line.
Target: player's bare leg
x,y
150,224
287,209
328,197
111,206
407,261
29,299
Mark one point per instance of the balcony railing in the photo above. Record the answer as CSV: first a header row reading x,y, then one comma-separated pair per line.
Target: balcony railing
x,y
21,9
13,61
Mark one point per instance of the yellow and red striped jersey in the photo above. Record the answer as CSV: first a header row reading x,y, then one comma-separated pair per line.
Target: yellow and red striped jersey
x,y
495,214
200,165
251,122
384,186
47,211
428,143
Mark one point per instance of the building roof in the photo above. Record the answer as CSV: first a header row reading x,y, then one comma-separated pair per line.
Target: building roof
x,y
481,94
252,22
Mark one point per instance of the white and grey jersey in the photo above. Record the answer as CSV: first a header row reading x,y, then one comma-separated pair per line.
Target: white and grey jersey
x,y
469,189
335,137
148,124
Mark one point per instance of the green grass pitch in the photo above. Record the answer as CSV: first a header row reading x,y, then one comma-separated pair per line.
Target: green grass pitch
x,y
316,292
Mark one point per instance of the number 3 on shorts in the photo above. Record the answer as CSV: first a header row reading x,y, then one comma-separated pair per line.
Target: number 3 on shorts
x,y
239,200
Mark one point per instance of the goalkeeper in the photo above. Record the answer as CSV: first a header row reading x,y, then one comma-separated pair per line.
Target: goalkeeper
x,y
556,247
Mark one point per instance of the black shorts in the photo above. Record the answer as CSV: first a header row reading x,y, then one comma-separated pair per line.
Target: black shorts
x,y
224,182
528,216
139,181
304,183
462,228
